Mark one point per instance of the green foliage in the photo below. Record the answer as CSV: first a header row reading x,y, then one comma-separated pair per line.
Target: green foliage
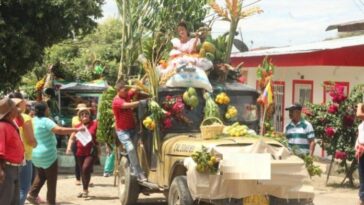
x,y
78,58
312,169
27,27
106,125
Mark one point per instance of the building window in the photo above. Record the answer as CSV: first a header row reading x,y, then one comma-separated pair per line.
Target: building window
x,y
279,96
302,91
327,87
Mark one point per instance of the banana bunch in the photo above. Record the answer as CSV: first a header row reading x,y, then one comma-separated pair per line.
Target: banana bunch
x,y
236,130
149,123
214,49
208,51
39,85
211,108
190,97
222,99
206,163
231,112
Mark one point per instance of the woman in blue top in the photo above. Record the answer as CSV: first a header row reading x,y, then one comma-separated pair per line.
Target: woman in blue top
x,y
45,154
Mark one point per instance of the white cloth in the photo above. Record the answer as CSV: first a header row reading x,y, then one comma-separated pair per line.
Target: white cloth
x,y
361,133
179,56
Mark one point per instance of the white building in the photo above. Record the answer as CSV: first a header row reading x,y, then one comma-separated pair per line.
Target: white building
x,y
301,71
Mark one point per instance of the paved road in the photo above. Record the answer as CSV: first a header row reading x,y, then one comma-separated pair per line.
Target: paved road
x,y
103,192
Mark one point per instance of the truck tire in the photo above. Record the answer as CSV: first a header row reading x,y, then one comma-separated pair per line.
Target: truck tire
x,y
278,201
128,187
179,193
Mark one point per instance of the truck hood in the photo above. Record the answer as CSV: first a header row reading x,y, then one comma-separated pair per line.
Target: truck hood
x,y
186,144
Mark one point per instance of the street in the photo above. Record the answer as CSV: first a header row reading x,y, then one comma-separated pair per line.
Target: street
x,y
103,192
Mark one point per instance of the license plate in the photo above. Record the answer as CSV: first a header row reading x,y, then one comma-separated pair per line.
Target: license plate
x,y
256,200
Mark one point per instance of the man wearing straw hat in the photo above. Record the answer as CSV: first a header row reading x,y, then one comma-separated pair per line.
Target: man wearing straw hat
x,y
11,153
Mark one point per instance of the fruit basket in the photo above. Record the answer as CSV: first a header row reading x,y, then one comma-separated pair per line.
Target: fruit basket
x,y
210,131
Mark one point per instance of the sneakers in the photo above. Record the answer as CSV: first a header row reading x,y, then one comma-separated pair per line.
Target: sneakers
x,y
107,174
83,194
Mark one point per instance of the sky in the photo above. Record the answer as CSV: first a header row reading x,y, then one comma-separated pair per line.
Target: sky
x,y
285,22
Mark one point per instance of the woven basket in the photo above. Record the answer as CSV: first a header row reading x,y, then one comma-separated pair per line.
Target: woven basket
x,y
210,131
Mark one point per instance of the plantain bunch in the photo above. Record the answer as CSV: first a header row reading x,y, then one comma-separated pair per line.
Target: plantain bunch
x,y
106,124
206,163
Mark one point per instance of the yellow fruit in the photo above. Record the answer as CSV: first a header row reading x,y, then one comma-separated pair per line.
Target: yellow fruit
x,y
152,125
208,47
213,159
202,53
227,116
210,163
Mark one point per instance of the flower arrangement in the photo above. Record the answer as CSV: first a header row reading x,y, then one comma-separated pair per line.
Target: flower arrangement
x,y
174,107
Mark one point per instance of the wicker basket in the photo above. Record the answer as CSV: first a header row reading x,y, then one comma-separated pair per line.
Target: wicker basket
x,y
210,131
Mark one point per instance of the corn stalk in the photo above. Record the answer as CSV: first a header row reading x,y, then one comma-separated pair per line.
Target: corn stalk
x,y
134,14
233,13
152,75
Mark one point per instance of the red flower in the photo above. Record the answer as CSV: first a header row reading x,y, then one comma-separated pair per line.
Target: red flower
x,y
330,132
337,94
178,106
348,120
333,109
167,123
340,155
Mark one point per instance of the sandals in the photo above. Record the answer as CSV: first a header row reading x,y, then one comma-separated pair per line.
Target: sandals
x,y
32,200
82,195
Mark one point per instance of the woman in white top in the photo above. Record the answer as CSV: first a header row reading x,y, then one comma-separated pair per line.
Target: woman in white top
x,y
184,51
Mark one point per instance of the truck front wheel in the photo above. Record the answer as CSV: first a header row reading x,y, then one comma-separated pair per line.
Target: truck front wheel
x,y
129,188
179,193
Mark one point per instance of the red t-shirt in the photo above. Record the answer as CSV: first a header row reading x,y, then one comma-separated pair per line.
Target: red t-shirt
x,y
124,118
86,150
11,146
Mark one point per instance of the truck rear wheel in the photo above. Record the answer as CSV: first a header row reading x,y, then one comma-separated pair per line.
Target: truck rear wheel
x,y
179,193
129,188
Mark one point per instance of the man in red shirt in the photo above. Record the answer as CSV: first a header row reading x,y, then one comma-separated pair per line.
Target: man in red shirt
x,y
122,107
11,153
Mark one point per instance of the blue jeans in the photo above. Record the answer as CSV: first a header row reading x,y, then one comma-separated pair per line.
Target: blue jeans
x,y
129,140
25,180
361,178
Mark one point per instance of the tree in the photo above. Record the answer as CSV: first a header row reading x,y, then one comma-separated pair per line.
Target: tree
x,y
27,27
78,57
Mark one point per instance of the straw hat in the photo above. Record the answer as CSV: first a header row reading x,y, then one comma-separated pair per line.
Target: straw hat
x,y
6,105
82,107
